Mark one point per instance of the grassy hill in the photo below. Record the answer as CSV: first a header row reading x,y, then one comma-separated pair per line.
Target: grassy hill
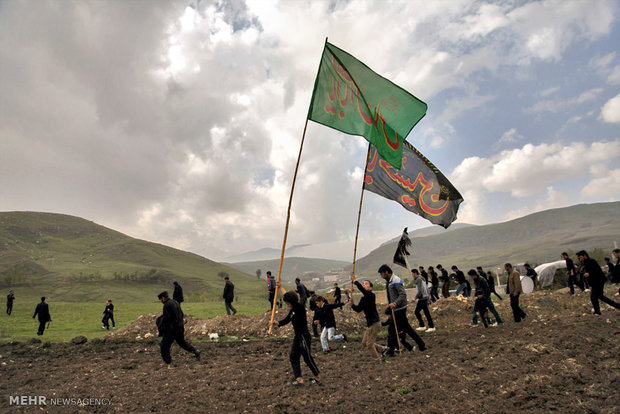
x,y
537,238
74,259
291,268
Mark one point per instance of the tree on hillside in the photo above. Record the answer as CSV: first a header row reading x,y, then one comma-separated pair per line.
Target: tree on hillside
x,y
258,273
222,275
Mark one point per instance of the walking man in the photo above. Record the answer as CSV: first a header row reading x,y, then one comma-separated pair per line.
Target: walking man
x,y
491,282
271,288
302,292
43,311
445,289
172,328
9,302
483,293
434,284
397,303
421,299
572,275
596,277
515,289
337,294
531,273
461,281
367,304
229,295
108,314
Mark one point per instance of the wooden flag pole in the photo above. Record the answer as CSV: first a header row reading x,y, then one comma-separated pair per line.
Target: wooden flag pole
x,y
288,218
400,346
359,215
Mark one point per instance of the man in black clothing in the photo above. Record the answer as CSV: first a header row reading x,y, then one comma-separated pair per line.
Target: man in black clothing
x,y
367,304
596,277
301,341
461,281
177,295
108,314
229,295
434,284
337,294
491,281
327,320
302,292
572,275
315,317
43,311
423,273
445,289
9,302
172,328
397,303
531,273
271,288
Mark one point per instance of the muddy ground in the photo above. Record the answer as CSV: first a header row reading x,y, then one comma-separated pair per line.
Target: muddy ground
x,y
560,359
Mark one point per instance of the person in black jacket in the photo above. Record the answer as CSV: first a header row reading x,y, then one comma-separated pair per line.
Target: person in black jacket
x,y
43,311
491,281
177,295
301,342
572,274
596,278
9,302
327,320
172,328
434,284
337,293
229,295
367,304
462,282
445,289
108,314
301,291
313,308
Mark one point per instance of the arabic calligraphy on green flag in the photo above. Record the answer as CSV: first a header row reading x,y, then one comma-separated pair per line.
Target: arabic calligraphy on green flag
x,y
350,97
418,186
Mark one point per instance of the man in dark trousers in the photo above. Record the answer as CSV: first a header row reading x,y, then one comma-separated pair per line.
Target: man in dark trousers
x,y
483,295
271,288
491,281
108,314
531,273
229,295
572,274
515,289
43,311
315,317
421,298
445,289
596,278
461,281
337,294
397,304
9,302
177,295
367,304
171,328
301,342
302,292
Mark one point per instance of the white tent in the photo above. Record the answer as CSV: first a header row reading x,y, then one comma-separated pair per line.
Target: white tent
x,y
546,272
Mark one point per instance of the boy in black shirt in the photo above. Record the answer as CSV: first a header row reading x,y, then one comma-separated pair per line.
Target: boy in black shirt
x,y
301,341
368,305
325,315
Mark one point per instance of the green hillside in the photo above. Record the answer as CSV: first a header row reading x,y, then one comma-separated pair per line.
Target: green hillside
x,y
291,268
537,238
73,259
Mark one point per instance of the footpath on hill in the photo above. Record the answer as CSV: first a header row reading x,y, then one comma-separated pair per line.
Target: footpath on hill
x,y
561,358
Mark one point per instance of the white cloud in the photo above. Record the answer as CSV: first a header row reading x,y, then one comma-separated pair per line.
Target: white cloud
x,y
561,105
553,199
510,136
610,112
604,183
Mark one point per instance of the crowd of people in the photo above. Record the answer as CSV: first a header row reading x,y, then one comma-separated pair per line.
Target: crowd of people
x,y
586,275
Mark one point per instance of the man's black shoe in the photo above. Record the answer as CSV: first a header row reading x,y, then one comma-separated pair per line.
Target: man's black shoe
x,y
197,355
344,338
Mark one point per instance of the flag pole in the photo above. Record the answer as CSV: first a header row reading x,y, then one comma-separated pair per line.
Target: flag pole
x,y
288,218
400,347
359,215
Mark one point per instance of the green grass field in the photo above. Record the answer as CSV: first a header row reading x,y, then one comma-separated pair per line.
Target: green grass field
x,y
70,319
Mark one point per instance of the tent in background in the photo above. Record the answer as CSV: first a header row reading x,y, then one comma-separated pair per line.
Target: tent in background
x,y
546,272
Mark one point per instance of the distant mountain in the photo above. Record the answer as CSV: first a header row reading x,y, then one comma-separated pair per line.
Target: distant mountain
x,y
266,253
292,267
80,260
536,238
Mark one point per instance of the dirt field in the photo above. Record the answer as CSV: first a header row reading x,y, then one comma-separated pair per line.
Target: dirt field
x,y
560,359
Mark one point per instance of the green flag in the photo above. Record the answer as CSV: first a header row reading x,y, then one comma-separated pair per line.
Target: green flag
x,y
351,98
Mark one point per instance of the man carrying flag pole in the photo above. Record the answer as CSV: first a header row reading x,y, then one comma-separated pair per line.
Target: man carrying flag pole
x,y
350,97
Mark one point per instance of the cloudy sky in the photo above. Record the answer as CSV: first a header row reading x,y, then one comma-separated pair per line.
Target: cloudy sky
x,y
179,122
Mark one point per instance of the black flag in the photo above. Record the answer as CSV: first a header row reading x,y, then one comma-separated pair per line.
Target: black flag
x,y
401,250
